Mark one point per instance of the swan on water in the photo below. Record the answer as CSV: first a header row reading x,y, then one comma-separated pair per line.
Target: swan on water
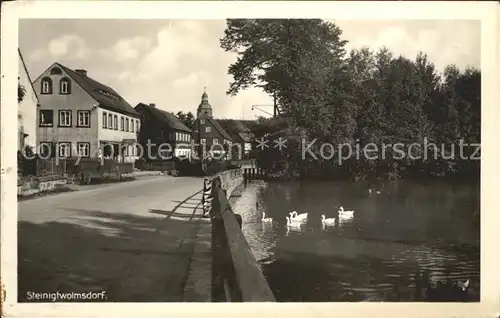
x,y
295,216
293,222
343,213
264,219
329,221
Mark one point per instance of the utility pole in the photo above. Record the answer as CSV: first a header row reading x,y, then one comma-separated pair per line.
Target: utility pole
x,y
275,106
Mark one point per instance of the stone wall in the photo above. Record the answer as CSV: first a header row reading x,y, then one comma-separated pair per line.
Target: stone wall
x,y
35,185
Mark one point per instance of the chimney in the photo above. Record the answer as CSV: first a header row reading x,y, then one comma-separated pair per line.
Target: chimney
x,y
82,72
152,105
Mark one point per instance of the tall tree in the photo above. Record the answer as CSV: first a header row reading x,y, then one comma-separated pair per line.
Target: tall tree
x,y
186,118
286,57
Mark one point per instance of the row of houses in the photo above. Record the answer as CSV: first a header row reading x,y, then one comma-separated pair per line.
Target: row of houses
x,y
68,113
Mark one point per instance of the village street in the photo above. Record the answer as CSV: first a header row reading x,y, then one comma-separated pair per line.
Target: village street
x,y
133,240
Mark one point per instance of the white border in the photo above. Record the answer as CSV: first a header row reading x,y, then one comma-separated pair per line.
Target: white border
x,y
487,12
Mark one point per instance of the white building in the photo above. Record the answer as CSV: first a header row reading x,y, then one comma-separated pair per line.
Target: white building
x,y
83,117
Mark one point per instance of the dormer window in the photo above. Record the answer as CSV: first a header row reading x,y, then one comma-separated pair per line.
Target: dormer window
x,y
65,86
108,94
46,85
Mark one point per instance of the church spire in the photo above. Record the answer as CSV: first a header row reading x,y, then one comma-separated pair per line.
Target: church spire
x,y
204,96
204,109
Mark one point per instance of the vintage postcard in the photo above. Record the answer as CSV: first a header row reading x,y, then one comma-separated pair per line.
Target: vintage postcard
x,y
300,159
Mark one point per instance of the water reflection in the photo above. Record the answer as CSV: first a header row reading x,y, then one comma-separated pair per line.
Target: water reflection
x,y
394,235
267,227
297,229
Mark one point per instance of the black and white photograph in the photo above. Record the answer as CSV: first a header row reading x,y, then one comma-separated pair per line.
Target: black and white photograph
x,y
258,159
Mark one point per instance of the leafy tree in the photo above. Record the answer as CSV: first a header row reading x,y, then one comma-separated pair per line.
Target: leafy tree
x,y
186,118
360,97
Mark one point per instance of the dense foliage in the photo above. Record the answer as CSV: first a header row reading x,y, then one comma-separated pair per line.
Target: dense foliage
x,y
354,100
186,118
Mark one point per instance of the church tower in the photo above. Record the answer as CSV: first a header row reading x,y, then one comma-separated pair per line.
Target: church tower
x,y
204,109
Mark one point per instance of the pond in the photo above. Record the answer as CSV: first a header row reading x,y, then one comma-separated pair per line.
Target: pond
x,y
397,231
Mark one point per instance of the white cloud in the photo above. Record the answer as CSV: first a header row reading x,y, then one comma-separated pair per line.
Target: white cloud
x,y
444,43
183,39
129,49
193,80
62,46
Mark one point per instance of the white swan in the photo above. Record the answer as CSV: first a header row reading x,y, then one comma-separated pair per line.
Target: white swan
x,y
293,222
329,221
345,214
295,216
264,219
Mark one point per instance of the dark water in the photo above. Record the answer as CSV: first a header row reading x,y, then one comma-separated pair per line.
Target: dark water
x,y
406,228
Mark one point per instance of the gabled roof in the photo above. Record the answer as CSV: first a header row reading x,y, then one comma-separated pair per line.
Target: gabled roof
x,y
215,123
245,136
96,89
27,73
164,117
239,132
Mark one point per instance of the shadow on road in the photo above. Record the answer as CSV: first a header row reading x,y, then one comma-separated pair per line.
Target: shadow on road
x,y
132,258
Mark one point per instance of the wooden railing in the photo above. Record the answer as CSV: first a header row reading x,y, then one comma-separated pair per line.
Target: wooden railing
x,y
236,274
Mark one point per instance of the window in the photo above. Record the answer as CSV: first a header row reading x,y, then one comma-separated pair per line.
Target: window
x,y
104,120
137,125
65,118
216,141
46,117
126,124
132,122
202,121
122,125
83,149
64,149
203,141
46,149
207,129
55,71
108,94
83,118
116,122
110,121
46,85
65,86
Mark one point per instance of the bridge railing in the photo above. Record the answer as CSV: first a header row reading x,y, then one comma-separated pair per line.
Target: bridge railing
x,y
236,274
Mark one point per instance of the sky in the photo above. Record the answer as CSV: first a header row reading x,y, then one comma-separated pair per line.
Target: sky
x,y
169,62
